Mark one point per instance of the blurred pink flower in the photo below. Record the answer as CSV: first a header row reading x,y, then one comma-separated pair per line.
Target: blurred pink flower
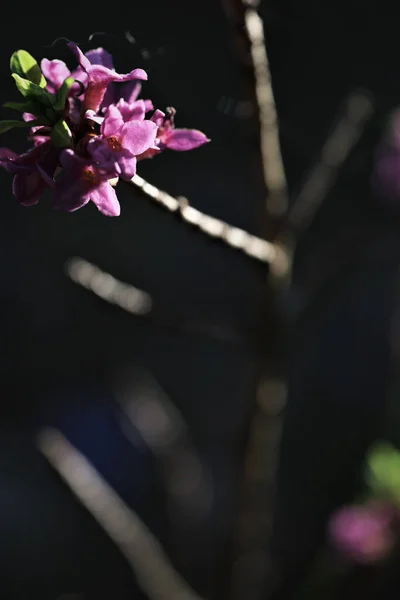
x,y
363,534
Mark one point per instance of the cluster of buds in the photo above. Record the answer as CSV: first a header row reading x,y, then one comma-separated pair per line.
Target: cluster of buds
x,y
88,129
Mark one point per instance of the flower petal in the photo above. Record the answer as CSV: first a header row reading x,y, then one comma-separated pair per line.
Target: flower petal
x,y
127,165
55,71
99,151
80,75
138,136
130,90
28,117
113,121
132,111
158,117
184,139
5,156
148,105
81,58
99,56
70,193
99,77
27,187
105,198
68,158
90,115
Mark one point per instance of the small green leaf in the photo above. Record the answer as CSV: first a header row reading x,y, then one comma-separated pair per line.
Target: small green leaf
x,y
384,470
51,116
24,65
11,123
62,93
61,135
30,107
33,92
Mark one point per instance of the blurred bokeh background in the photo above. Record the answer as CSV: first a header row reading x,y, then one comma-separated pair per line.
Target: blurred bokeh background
x,y
234,416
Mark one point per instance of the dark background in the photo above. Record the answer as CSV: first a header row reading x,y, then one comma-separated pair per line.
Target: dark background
x,y
205,344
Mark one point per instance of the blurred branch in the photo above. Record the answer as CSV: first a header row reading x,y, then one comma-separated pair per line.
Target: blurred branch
x,y
141,304
163,429
144,553
358,110
125,295
262,430
148,413
272,163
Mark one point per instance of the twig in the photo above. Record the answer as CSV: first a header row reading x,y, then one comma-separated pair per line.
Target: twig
x,y
141,304
335,151
272,163
163,429
144,553
234,237
107,287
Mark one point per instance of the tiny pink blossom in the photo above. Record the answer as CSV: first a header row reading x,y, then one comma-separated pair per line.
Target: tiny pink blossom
x,y
99,77
81,182
180,140
32,171
120,142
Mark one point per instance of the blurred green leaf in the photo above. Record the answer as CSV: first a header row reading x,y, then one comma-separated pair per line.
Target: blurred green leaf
x,y
24,65
29,107
383,473
11,123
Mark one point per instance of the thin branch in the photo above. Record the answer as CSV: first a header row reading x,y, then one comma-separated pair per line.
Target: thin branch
x,y
106,286
144,553
149,414
234,237
140,303
272,162
358,110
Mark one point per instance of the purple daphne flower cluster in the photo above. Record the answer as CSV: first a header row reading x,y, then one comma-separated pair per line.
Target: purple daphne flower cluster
x,y
88,130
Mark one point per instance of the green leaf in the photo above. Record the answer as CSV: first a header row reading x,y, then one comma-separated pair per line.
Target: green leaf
x,y
33,92
11,123
61,135
30,107
384,470
51,116
24,65
62,93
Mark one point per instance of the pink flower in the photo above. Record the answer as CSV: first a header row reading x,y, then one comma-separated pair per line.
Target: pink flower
x,y
81,182
87,126
33,171
56,71
363,533
99,77
179,140
131,111
120,142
